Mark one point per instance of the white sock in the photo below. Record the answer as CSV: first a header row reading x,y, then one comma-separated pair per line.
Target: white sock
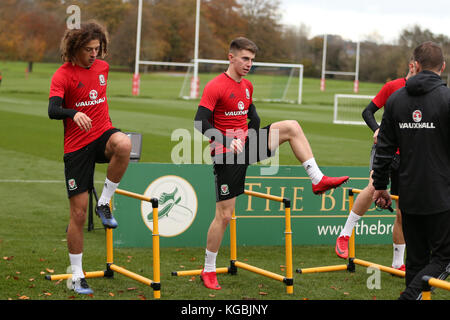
x,y
399,252
108,190
210,261
352,219
76,265
313,171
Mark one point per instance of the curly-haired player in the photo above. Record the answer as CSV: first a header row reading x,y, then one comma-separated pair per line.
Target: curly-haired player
x,y
78,98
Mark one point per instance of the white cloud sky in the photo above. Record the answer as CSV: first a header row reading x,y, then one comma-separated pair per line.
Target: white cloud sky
x,y
354,20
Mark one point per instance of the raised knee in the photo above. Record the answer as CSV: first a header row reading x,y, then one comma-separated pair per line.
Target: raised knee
x,y
293,127
122,146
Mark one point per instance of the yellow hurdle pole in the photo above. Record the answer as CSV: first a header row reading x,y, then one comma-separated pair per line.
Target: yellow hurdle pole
x,y
260,271
263,195
197,272
133,195
379,266
288,247
156,253
131,275
323,269
233,241
351,243
109,246
87,275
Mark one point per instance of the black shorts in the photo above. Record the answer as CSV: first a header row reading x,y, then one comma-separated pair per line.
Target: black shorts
x,y
230,169
393,172
79,166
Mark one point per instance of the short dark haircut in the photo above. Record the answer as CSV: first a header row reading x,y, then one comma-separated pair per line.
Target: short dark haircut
x,y
429,55
242,43
74,39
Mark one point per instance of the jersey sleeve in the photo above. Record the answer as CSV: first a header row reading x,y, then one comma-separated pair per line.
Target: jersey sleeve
x,y
210,96
382,96
58,85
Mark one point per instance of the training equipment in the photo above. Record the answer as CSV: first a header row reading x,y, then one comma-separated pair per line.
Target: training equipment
x,y
348,109
352,261
328,183
272,82
235,264
431,281
342,73
111,267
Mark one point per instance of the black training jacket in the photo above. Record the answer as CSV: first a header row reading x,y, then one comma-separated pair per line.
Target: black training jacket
x,y
417,120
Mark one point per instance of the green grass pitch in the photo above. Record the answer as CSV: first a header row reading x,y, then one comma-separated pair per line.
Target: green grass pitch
x,y
34,207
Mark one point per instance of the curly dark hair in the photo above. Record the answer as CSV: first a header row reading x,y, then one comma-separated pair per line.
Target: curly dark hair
x,y
74,39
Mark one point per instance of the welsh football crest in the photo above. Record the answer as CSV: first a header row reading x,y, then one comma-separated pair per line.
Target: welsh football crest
x,y
224,190
177,205
417,116
72,184
101,79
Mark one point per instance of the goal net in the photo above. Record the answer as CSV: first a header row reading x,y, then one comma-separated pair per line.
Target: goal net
x,y
348,109
277,82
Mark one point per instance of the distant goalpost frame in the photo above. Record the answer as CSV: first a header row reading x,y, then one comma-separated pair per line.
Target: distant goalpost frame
x,y
283,93
348,109
342,73
194,81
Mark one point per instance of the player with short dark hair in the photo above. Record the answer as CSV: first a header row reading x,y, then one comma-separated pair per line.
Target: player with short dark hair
x,y
224,109
78,97
364,199
417,121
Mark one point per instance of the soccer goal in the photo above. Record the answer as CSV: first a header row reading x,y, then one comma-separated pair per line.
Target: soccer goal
x,y
275,82
348,109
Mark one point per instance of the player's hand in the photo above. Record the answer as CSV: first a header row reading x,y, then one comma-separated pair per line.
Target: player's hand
x,y
375,136
236,145
83,121
382,199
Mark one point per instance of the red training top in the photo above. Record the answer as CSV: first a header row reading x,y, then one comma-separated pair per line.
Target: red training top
x,y
229,101
83,90
385,92
388,89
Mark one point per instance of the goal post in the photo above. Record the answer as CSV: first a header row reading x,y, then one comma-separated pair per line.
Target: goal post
x,y
348,109
273,82
341,73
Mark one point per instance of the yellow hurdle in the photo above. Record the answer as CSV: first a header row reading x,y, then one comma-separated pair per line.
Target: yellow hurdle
x,y
111,267
351,246
352,252
235,264
431,281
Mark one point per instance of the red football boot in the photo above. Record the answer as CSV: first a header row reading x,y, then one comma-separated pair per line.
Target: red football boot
x,y
342,247
328,183
210,280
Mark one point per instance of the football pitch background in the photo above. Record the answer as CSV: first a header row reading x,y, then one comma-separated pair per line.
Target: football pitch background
x,y
34,209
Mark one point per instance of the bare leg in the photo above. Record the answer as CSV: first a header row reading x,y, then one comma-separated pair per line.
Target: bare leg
x,y
364,199
78,207
224,212
397,233
118,150
290,130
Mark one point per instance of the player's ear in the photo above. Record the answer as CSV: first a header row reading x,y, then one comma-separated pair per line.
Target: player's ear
x,y
230,56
